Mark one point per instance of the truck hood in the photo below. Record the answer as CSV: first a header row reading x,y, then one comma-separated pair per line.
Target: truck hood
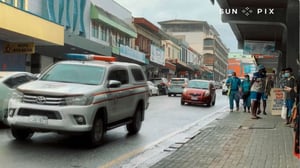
x,y
56,88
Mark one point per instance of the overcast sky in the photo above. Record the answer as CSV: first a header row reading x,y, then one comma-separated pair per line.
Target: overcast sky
x,y
161,10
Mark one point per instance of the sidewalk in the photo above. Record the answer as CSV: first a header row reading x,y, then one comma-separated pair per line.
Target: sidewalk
x,y
237,141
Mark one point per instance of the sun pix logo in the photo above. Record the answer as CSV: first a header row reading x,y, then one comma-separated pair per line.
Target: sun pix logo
x,y
247,11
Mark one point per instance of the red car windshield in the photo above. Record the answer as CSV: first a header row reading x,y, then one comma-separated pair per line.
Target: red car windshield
x,y
198,84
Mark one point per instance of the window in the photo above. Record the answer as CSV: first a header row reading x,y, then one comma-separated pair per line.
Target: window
x,y
119,75
208,42
75,74
21,4
114,41
103,33
95,29
137,74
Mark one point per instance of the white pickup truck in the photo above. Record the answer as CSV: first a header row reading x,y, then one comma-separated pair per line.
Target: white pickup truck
x,y
86,95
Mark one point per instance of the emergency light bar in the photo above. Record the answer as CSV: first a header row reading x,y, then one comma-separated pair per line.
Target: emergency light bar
x,y
88,57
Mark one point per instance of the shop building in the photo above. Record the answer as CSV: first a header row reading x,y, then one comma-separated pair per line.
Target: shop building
x,y
20,36
83,26
149,41
204,39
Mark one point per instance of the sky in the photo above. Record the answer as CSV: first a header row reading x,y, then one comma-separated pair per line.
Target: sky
x,y
202,10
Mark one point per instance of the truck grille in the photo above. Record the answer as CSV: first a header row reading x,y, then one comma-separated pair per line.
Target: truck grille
x,y
48,113
44,100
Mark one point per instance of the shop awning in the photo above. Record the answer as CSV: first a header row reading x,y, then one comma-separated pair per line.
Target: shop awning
x,y
170,66
206,69
181,66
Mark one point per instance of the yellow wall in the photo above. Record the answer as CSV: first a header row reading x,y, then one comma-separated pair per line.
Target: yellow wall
x,y
27,24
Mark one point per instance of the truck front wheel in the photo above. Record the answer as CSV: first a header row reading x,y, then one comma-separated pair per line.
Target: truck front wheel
x,y
21,134
96,134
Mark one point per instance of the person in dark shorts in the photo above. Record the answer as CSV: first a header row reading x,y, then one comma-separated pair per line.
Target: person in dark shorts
x,y
290,90
258,84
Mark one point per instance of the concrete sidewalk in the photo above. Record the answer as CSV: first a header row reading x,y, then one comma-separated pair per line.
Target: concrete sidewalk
x,y
236,141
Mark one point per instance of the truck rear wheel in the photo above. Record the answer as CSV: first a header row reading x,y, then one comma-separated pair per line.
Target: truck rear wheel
x,y
136,123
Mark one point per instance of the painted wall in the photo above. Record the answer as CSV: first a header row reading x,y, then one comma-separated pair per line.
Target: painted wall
x,y
235,65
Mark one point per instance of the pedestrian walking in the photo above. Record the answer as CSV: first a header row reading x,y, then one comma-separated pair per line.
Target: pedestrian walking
x,y
234,84
258,84
290,90
245,85
266,94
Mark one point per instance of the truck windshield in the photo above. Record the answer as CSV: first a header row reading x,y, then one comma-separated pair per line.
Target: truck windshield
x,y
73,73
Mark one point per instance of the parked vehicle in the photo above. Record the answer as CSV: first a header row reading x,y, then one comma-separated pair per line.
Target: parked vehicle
x,y
199,92
89,95
153,90
9,80
218,85
224,88
176,86
161,84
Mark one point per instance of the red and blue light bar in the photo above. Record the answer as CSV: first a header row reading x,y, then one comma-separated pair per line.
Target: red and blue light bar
x,y
89,57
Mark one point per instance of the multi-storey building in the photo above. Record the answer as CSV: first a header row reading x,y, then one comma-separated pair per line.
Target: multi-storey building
x,y
150,41
203,38
180,54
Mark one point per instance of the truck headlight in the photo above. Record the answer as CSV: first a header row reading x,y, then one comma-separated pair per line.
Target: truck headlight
x,y
79,100
16,97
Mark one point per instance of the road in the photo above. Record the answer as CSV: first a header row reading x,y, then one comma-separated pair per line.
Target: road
x,y
165,118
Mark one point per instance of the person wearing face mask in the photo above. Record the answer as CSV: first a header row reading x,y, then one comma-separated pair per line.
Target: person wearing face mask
x,y
282,78
258,84
290,90
245,85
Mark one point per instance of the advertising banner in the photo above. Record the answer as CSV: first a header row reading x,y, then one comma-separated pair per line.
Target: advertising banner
x,y
157,55
276,101
258,47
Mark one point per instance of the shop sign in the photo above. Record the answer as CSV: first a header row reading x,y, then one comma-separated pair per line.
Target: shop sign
x,y
24,48
157,55
132,54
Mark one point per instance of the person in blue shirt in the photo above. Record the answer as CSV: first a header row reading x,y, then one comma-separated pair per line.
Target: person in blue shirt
x,y
234,84
245,85
258,84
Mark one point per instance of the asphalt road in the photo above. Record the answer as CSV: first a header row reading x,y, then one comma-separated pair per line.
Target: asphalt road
x,y
165,118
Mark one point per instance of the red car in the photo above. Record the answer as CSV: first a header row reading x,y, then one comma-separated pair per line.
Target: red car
x,y
199,92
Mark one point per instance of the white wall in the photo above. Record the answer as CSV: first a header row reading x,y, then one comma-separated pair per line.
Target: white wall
x,y
46,62
115,9
35,6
